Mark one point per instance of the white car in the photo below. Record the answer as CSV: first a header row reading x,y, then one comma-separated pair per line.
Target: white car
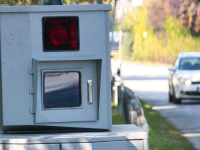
x,y
184,77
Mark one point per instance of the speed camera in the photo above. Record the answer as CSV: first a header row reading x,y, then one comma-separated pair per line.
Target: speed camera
x,y
55,68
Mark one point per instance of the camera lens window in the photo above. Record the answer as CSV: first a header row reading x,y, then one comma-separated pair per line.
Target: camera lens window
x,y
61,89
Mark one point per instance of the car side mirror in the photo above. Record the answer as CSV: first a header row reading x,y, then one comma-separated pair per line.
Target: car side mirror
x,y
172,68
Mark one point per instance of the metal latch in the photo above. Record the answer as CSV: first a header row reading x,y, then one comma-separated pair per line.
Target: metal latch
x,y
31,90
90,100
32,110
30,71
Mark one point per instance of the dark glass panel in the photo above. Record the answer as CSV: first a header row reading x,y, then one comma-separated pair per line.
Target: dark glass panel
x,y
60,34
62,89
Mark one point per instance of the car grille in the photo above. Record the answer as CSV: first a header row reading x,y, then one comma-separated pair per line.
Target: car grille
x,y
196,82
192,93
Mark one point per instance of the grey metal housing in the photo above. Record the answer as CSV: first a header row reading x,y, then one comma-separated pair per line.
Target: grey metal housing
x,y
22,60
122,137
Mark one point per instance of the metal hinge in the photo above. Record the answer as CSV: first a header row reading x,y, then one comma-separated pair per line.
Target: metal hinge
x,y
31,90
32,110
30,71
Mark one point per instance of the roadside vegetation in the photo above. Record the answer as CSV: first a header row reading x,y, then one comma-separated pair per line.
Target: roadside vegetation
x,y
39,2
159,30
162,136
116,117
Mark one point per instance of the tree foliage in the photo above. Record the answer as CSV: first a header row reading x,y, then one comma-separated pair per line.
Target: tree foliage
x,y
38,2
187,11
127,26
171,26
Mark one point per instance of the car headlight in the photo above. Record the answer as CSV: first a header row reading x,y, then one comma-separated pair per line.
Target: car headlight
x,y
188,82
185,81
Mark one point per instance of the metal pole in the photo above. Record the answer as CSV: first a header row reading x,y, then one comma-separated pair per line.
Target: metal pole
x,y
113,27
120,33
120,42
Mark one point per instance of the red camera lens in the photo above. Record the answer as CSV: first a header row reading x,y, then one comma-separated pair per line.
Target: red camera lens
x,y
58,36
60,33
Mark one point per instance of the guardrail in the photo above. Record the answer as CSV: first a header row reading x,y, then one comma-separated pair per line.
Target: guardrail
x,y
128,104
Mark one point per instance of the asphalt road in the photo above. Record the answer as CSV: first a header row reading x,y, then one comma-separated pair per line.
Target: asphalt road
x,y
150,83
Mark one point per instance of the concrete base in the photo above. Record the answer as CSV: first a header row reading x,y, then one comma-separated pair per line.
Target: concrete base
x,y
122,137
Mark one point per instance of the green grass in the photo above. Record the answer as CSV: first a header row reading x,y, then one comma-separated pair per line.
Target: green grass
x,y
162,136
116,117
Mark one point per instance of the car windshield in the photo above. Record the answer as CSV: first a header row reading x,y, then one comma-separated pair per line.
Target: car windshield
x,y
189,63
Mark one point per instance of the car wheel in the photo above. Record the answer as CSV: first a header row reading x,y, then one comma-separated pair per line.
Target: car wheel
x,y
176,100
170,97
